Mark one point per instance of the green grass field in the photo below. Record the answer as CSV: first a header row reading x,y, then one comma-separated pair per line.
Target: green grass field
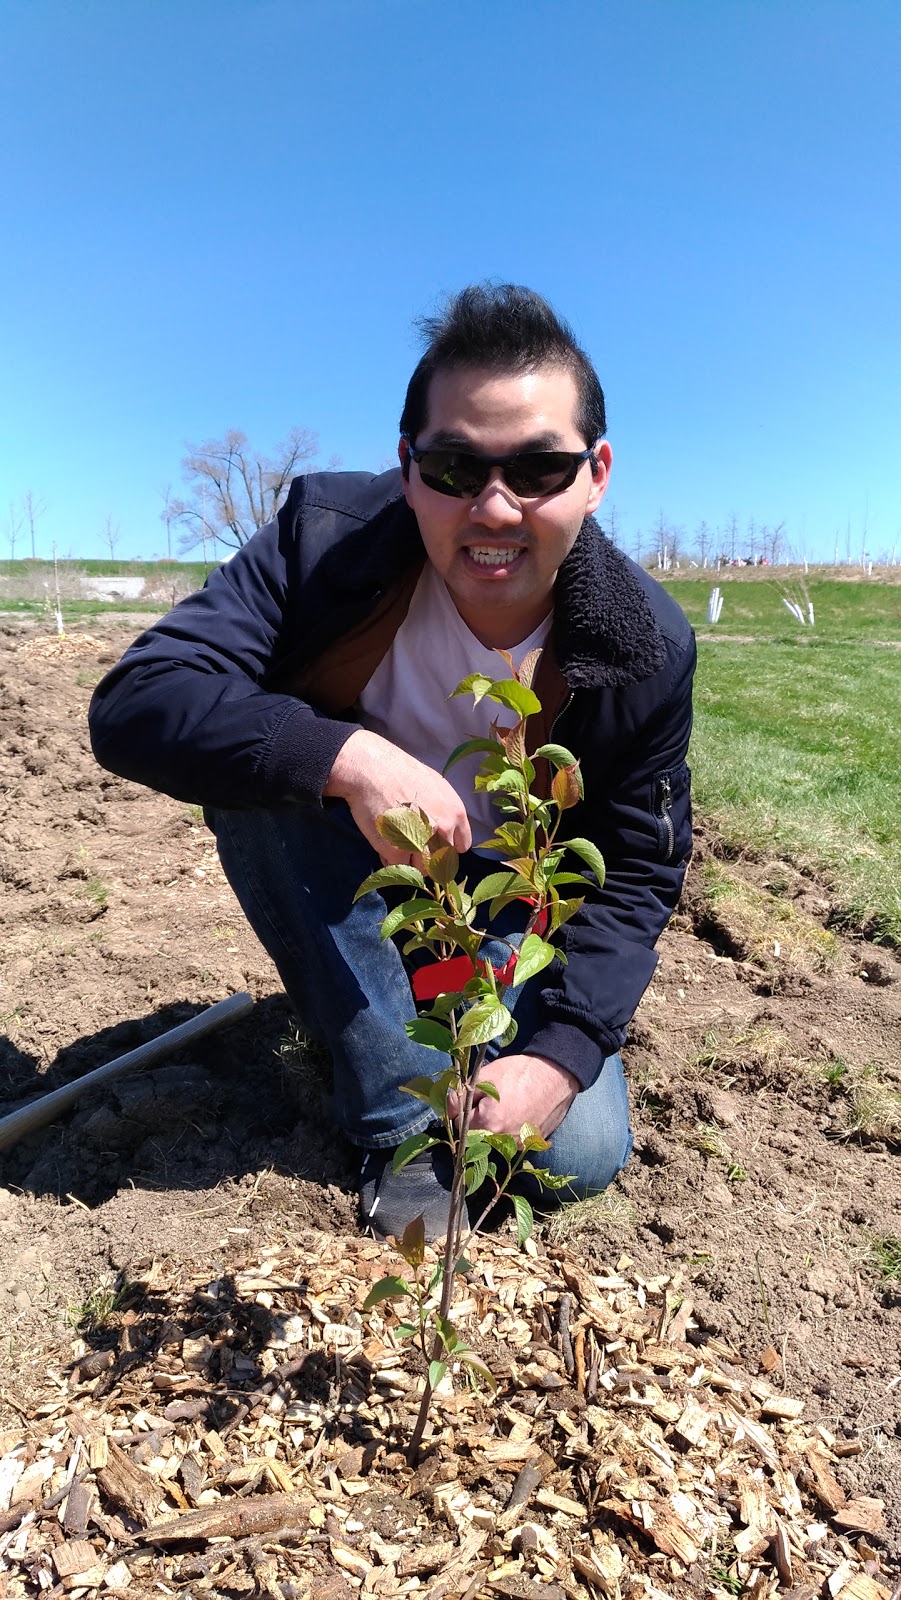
x,y
845,610
796,744
28,587
108,569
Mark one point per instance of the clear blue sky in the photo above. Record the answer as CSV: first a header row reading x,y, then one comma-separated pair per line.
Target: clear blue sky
x,y
228,212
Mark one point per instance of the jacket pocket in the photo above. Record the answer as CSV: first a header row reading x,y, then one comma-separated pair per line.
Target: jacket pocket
x,y
672,813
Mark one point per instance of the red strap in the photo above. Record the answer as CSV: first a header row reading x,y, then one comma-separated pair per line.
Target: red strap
x,y
447,977
442,977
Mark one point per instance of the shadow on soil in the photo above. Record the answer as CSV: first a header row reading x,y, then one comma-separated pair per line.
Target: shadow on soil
x,y
253,1094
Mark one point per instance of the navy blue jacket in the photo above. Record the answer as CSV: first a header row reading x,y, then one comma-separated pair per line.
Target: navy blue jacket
x,y
206,706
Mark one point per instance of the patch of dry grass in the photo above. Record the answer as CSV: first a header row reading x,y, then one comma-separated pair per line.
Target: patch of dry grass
x,y
709,1139
611,1209
760,1049
874,1106
756,925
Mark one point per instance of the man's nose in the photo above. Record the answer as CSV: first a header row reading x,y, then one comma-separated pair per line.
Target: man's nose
x,y
496,507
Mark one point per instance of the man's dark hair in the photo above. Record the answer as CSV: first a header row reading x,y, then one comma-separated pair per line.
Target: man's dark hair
x,y
502,328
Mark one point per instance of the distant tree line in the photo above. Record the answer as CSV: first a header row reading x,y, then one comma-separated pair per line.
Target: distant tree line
x,y
232,489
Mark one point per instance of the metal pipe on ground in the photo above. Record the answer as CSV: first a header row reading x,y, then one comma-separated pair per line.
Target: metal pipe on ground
x,y
29,1118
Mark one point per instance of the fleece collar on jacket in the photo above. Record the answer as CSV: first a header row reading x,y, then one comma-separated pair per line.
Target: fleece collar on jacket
x,y
605,633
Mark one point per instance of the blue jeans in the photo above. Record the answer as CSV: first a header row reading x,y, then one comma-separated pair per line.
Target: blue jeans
x,y
295,874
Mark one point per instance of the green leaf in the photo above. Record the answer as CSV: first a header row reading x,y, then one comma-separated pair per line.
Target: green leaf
x,y
507,692
510,782
489,1089
444,863
412,1243
557,754
508,1036
590,854
448,1335
498,883
469,748
386,1289
535,954
433,1091
477,1171
561,911
405,1330
411,1147
388,877
406,827
423,1030
470,1359
525,1220
444,1004
566,877
503,1143
484,1021
475,684
548,1180
532,1138
437,1369
411,911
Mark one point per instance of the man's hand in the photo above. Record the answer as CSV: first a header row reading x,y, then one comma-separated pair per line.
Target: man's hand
x,y
531,1089
374,776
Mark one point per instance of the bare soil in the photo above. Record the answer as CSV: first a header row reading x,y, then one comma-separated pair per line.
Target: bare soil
x,y
116,923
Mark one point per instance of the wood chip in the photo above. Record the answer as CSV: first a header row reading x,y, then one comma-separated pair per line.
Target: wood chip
x,y
781,1405
822,1480
233,1519
863,1587
124,1483
559,1502
863,1514
73,1557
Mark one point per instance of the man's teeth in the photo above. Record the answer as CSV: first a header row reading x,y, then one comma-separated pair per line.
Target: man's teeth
x,y
492,556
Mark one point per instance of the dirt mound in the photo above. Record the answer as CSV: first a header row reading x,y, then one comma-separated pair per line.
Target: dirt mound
x,y
764,1084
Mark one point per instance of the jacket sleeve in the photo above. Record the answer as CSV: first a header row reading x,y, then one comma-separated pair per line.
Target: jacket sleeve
x,y
187,710
642,827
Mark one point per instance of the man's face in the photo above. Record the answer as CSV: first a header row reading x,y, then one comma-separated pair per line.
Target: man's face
x,y
499,555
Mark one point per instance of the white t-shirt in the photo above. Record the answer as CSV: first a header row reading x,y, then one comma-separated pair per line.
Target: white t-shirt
x,y
406,699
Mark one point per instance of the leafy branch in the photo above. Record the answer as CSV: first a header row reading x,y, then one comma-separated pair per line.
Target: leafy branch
x,y
468,1009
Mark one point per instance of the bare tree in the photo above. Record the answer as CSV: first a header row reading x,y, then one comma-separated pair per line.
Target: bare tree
x,y
34,509
167,515
776,537
111,535
611,517
702,545
15,522
732,536
233,490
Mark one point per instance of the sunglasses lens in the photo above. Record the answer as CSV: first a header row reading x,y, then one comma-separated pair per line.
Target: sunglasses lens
x,y
545,472
462,476
532,475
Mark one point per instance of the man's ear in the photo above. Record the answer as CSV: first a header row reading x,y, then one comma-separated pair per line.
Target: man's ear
x,y
600,477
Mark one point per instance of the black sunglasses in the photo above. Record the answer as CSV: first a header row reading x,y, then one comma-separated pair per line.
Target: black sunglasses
x,y
529,476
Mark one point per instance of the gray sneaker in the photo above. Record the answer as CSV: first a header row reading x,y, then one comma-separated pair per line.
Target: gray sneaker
x,y
390,1200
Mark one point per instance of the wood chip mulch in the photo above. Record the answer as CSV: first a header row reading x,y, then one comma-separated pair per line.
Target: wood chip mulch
x,y
247,1436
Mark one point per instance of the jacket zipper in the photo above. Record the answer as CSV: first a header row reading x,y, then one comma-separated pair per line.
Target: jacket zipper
x,y
561,713
666,801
